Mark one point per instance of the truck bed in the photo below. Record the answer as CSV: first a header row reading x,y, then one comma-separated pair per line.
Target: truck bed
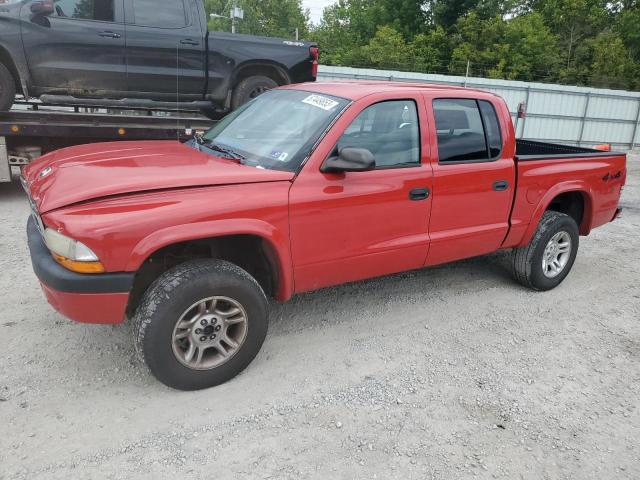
x,y
535,150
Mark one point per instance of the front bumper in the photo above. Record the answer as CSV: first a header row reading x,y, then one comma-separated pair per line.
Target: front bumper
x,y
100,298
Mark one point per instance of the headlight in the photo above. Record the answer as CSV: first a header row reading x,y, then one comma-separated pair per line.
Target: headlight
x,y
72,254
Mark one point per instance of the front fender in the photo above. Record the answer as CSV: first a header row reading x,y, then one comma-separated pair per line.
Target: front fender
x,y
579,186
278,241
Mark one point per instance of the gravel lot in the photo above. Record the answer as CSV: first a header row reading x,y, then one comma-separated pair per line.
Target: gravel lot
x,y
447,373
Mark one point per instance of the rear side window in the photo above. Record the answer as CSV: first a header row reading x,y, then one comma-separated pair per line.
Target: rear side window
x,y
166,14
101,10
467,130
390,130
492,128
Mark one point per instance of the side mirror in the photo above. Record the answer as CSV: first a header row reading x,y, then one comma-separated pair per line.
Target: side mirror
x,y
42,7
350,159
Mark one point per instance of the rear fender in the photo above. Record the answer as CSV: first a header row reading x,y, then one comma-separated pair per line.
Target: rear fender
x,y
278,242
564,187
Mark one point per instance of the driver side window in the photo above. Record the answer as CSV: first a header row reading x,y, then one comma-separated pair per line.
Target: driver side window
x,y
390,130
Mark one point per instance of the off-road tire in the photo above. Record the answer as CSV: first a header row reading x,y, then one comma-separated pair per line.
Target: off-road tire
x,y
171,294
250,88
7,89
527,261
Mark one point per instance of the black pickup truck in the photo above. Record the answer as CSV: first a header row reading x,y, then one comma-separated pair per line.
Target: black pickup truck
x,y
129,52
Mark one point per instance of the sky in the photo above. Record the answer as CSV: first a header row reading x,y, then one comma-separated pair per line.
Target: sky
x,y
315,7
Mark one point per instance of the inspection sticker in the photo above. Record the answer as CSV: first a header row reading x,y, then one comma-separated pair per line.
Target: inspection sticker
x,y
320,102
282,156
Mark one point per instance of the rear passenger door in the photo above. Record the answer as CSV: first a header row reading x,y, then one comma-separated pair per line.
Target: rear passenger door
x,y
474,179
165,50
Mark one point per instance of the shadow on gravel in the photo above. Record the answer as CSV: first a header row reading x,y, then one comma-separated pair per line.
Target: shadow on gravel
x,y
11,191
371,298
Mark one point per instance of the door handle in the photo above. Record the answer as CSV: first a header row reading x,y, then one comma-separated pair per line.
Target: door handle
x,y
500,185
110,34
419,194
188,41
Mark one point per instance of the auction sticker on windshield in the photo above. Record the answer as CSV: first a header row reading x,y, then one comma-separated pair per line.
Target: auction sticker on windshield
x,y
320,102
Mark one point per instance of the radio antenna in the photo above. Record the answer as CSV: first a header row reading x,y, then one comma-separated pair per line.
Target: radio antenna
x,y
178,90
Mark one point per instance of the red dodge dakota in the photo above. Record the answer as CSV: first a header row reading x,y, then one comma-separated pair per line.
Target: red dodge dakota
x,y
304,187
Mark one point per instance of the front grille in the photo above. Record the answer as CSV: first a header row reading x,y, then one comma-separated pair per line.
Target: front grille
x,y
34,209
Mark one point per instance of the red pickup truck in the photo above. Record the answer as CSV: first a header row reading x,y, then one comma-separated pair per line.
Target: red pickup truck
x,y
304,187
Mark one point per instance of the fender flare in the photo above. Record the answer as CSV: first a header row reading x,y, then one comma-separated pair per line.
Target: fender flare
x,y
16,67
282,70
579,186
274,238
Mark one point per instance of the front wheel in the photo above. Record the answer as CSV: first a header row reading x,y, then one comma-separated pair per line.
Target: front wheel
x,y
200,324
547,260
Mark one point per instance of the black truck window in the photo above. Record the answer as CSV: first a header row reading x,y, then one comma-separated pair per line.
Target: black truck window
x,y
101,10
166,14
467,130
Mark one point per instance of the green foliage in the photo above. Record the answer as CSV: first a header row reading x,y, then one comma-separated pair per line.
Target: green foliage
x,y
272,18
583,42
612,66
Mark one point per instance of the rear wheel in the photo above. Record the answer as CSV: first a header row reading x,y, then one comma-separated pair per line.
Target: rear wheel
x,y
547,260
200,324
7,89
250,88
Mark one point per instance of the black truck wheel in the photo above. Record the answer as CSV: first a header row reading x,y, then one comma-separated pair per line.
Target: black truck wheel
x,y
200,324
7,89
546,261
250,88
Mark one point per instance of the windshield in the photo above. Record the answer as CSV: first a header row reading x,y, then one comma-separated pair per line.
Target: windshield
x,y
277,130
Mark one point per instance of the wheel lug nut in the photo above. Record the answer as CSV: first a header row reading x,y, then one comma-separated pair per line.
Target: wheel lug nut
x,y
212,337
202,339
218,327
203,322
198,331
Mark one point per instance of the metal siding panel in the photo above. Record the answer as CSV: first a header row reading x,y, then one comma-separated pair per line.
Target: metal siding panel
x,y
610,116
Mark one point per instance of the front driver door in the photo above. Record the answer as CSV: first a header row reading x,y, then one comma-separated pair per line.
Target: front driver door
x,y
357,225
78,50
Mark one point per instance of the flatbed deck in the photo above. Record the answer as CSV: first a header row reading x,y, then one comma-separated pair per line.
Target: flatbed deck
x,y
39,129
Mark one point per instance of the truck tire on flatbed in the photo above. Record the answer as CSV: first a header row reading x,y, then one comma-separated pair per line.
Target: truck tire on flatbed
x,y
7,89
250,88
547,260
200,324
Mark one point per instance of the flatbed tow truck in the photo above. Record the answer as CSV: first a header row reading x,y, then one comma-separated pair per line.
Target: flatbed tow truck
x,y
32,129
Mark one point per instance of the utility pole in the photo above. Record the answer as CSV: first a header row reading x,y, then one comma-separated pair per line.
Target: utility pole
x,y
233,16
466,75
297,34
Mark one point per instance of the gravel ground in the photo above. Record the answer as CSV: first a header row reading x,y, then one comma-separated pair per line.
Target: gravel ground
x,y
447,373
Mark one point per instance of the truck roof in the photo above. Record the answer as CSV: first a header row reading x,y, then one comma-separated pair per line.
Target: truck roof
x,y
356,89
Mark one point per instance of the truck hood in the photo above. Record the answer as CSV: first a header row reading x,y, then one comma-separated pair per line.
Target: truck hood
x,y
89,172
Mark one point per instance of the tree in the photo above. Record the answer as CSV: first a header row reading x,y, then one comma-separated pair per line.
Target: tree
x,y
573,21
387,49
479,41
612,66
532,51
628,26
271,18
431,51
446,13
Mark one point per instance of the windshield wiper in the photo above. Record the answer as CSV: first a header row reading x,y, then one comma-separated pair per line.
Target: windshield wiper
x,y
226,151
